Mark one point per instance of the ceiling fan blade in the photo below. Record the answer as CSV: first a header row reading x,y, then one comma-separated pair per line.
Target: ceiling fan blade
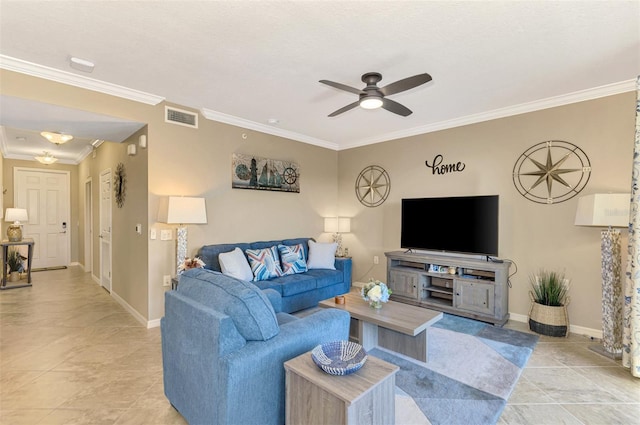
x,y
346,108
341,86
395,107
405,84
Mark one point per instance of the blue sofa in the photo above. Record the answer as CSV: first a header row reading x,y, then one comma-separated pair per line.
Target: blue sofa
x,y
224,343
298,291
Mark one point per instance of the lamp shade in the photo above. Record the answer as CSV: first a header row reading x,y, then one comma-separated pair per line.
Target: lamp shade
x,y
182,210
344,224
337,224
603,210
16,214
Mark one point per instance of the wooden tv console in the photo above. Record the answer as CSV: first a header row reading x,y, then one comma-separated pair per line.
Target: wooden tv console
x,y
478,289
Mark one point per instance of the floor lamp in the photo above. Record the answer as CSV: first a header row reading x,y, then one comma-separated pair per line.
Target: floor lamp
x,y
182,210
608,210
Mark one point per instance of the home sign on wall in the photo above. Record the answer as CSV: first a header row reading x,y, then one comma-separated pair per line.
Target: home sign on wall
x,y
437,166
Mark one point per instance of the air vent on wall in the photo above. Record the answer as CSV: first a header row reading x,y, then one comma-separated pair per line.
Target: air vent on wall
x,y
180,117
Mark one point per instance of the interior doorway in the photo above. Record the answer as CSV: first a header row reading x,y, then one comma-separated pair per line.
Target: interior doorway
x,y
105,229
88,226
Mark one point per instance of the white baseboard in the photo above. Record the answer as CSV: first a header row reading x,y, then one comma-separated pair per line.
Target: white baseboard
x,y
139,317
95,278
153,323
578,330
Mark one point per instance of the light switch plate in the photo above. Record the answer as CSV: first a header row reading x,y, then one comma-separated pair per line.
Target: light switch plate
x,y
152,234
165,234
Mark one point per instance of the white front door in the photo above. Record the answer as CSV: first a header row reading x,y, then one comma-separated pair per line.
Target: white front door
x,y
45,196
105,229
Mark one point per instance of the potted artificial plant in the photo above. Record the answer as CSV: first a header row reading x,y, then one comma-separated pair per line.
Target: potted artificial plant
x,y
549,301
14,261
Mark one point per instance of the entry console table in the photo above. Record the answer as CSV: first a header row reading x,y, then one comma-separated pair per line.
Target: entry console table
x,y
466,287
5,254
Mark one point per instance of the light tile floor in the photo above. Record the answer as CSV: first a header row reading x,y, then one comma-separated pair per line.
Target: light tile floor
x,y
69,354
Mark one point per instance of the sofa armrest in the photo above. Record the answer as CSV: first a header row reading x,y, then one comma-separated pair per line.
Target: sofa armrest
x,y
344,265
274,298
258,368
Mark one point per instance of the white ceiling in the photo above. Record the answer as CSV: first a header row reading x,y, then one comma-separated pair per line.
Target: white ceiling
x,y
247,62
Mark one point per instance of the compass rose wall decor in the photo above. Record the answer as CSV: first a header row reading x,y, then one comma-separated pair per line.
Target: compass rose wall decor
x,y
551,172
373,186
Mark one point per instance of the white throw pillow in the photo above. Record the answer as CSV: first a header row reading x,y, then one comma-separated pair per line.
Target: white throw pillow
x,y
235,264
322,255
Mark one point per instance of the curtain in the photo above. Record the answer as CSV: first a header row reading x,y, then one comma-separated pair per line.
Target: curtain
x,y
631,312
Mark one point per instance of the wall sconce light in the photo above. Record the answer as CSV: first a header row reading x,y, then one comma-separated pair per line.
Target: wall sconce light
x,y
337,226
131,149
142,141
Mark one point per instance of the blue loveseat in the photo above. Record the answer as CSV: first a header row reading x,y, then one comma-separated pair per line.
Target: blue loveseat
x,y
298,291
224,343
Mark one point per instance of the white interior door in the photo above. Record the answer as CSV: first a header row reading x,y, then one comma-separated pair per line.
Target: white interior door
x,y
88,226
105,229
45,196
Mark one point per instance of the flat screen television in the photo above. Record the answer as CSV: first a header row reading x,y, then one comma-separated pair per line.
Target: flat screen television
x,y
465,224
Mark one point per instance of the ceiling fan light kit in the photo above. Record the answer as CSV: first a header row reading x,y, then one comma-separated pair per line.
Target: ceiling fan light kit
x,y
370,102
373,97
57,138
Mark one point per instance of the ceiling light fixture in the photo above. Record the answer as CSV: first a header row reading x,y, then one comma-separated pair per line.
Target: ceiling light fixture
x,y
57,138
370,102
47,159
81,64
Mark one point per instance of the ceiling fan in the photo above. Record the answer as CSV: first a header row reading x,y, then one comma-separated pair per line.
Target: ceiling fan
x,y
372,96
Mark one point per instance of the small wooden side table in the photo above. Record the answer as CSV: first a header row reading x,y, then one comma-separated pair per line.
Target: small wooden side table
x,y
364,397
5,244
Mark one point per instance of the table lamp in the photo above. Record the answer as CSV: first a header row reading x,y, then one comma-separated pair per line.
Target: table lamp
x,y
608,210
182,210
337,226
15,216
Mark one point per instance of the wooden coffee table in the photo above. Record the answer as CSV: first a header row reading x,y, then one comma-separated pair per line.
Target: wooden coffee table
x,y
398,327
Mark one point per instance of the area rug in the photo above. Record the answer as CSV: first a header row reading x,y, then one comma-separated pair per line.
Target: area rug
x,y
472,369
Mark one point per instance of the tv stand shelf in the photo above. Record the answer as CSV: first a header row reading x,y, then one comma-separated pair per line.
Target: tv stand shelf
x,y
466,287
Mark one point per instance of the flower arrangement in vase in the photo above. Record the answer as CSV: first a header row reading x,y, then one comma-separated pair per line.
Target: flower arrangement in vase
x,y
195,263
376,293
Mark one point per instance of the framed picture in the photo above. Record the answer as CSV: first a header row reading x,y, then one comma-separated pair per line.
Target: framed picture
x,y
252,172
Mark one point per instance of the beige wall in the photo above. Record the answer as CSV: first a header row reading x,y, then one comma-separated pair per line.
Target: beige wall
x,y
189,162
193,162
197,162
533,235
129,249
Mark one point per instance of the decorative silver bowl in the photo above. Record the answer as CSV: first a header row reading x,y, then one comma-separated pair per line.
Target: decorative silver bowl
x,y
339,357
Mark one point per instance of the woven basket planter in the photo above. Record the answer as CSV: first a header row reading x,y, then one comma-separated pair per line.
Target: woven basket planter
x,y
549,320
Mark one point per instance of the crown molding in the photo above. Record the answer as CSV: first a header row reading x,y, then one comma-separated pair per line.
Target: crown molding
x,y
18,65
32,158
263,128
523,108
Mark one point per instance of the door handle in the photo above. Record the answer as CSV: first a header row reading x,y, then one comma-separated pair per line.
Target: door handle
x,y
64,231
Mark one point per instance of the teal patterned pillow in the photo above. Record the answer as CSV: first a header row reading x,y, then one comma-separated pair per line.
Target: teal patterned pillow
x,y
265,263
292,258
